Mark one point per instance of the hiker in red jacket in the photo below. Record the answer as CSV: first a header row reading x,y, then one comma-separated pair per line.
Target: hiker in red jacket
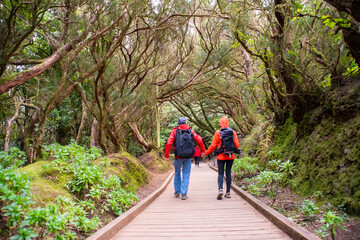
x,y
183,138
197,155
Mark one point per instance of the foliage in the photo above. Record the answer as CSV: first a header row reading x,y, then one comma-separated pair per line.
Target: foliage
x,y
13,158
245,167
309,208
69,158
288,169
274,165
64,218
15,197
265,180
108,194
89,181
284,62
84,177
332,221
273,153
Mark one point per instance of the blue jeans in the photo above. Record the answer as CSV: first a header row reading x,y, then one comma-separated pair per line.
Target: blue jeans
x,y
181,184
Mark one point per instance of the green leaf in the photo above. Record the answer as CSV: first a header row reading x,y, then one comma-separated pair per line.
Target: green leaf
x,y
328,22
235,45
291,53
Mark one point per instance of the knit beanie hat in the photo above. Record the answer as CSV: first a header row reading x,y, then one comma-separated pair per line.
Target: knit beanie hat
x,y
181,120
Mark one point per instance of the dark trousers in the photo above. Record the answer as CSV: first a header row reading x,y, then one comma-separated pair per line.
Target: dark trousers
x,y
197,160
221,164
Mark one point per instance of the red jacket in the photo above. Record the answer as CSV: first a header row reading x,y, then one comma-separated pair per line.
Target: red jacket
x,y
171,139
216,142
197,152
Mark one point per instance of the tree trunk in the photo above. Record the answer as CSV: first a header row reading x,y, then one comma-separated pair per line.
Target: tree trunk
x,y
351,7
352,39
7,83
82,123
139,137
157,116
352,34
93,135
248,64
10,124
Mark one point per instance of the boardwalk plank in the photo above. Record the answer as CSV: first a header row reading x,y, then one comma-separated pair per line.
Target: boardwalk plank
x,y
201,216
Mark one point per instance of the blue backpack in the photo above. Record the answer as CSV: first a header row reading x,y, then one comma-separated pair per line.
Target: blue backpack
x,y
184,143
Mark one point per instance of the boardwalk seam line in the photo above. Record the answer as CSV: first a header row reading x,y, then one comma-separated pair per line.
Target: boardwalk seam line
x,y
289,227
110,229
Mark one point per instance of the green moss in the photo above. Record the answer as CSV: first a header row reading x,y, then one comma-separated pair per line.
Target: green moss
x,y
46,188
328,161
156,162
250,144
129,168
326,152
285,135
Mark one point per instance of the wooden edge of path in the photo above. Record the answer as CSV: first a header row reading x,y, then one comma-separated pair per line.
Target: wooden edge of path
x,y
109,230
288,226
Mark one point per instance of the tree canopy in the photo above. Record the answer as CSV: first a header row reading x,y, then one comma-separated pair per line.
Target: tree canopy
x,y
107,72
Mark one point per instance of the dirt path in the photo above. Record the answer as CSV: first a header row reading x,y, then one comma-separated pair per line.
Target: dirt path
x,y
155,182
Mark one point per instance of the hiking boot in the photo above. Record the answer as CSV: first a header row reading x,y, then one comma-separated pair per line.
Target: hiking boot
x,y
183,197
227,195
220,193
176,194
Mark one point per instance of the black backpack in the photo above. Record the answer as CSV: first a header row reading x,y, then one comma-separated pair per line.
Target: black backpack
x,y
184,143
227,142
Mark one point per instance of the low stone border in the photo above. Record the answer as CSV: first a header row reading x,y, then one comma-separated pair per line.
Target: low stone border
x,y
289,227
109,230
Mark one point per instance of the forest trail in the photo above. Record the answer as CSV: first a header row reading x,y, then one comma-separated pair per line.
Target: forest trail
x,y
201,216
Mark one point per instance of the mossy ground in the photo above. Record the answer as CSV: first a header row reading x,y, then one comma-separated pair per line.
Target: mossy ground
x,y
46,188
129,168
153,161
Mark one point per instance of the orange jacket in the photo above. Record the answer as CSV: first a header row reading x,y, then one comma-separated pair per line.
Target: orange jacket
x,y
216,142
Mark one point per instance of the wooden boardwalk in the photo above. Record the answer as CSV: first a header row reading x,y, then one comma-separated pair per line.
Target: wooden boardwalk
x,y
201,216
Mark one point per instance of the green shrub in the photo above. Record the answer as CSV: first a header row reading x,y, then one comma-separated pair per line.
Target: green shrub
x,y
85,177
274,165
61,220
309,208
288,168
266,182
116,198
273,153
15,196
119,200
69,158
245,167
14,157
64,219
332,221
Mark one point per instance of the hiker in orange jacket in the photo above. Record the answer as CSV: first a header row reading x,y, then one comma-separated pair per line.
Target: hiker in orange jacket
x,y
223,158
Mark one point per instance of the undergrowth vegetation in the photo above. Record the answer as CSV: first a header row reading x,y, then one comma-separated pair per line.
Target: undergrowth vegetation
x,y
270,177
95,192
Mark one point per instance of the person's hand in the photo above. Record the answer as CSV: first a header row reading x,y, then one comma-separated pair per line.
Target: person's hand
x,y
167,159
203,154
